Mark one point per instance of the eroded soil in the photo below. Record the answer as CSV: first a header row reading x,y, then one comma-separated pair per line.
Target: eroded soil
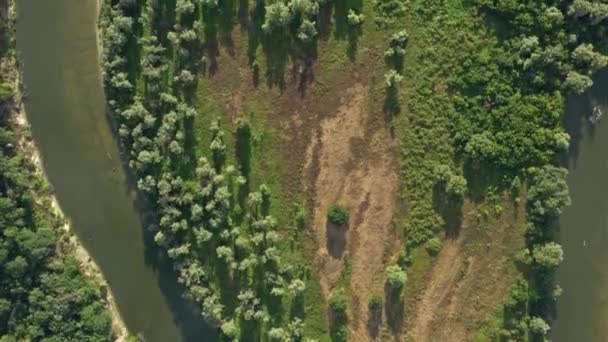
x,y
354,167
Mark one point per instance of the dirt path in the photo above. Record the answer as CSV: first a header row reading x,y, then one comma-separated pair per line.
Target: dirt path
x,y
350,166
443,280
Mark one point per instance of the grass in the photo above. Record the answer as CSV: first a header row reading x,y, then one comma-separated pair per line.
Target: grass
x,y
252,81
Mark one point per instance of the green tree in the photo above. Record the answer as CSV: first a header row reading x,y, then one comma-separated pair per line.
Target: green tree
x,y
549,255
548,193
395,277
577,83
539,326
337,215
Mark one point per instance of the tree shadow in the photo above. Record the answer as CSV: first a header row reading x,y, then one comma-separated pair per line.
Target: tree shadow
x,y
276,46
336,239
211,44
392,105
345,31
374,320
450,209
225,16
394,310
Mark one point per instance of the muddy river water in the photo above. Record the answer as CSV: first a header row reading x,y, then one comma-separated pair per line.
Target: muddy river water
x,y
582,310
65,106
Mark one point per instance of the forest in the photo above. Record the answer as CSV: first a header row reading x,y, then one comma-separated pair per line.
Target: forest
x,y
321,170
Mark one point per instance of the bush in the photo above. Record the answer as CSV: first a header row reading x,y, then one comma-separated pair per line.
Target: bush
x,y
433,246
338,302
548,193
395,277
375,303
6,91
337,215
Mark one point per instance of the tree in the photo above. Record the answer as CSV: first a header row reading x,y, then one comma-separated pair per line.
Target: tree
x,y
548,193
307,31
337,215
395,277
375,303
433,246
354,18
586,57
338,302
577,83
539,326
397,44
277,17
230,330
549,255
392,79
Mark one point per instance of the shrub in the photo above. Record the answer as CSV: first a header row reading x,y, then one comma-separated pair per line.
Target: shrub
x,y
539,326
549,255
300,218
338,302
6,91
548,193
433,246
337,215
395,277
355,19
375,303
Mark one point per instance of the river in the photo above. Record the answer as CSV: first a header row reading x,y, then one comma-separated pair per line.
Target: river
x,y
66,109
582,311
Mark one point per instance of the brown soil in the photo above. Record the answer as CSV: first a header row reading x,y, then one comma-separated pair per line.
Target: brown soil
x,y
439,291
470,277
353,167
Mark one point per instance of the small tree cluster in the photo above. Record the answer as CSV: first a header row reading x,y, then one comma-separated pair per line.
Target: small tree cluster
x,y
337,215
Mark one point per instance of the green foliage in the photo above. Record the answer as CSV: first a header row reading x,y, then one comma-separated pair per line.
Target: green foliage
x,y
213,225
577,83
538,326
375,303
395,277
337,215
388,12
6,91
355,19
548,256
338,301
397,44
433,246
277,17
548,193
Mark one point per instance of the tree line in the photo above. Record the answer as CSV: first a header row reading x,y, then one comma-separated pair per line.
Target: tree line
x,y
216,229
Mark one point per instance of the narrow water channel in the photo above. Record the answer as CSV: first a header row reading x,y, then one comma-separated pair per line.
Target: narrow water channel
x,y
66,109
582,311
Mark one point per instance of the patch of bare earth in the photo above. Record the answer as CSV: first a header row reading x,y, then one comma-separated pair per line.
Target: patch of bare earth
x,y
353,165
470,277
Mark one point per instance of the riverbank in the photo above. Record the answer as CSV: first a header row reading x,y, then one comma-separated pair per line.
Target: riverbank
x,y
68,243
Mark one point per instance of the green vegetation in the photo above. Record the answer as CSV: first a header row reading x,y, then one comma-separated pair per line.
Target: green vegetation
x,y
476,90
338,303
44,294
395,277
492,89
337,215
375,303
